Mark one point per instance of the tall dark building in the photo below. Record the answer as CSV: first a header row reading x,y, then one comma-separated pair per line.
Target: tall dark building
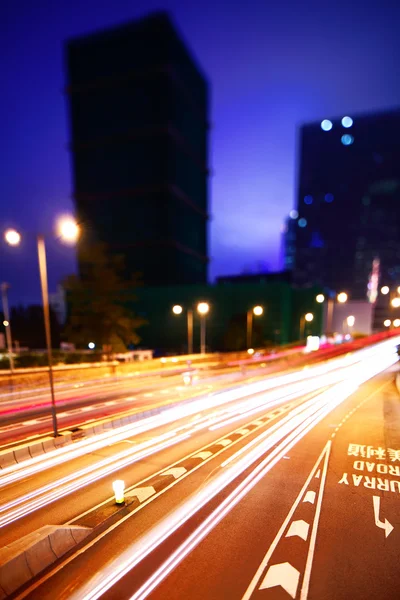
x,y
139,123
348,202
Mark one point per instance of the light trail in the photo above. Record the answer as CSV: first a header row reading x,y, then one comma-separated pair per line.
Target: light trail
x,y
101,582
185,408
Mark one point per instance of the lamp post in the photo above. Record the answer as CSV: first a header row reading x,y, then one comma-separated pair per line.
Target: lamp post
x,y
7,323
202,309
69,231
257,311
307,318
350,320
177,310
341,298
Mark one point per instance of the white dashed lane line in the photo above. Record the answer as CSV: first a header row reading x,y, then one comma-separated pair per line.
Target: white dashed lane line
x,y
288,563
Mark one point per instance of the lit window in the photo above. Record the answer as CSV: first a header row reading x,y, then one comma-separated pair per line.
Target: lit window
x,y
347,139
308,199
326,125
293,214
302,222
328,198
347,122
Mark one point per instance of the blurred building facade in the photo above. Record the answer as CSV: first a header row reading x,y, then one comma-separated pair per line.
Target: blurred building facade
x,y
138,107
348,200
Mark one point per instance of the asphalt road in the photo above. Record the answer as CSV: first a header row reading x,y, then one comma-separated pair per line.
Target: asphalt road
x,y
283,501
324,523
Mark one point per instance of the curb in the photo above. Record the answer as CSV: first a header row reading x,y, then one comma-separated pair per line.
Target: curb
x,y
24,452
24,559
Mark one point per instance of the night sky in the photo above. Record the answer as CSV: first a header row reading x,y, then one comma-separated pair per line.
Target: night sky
x,y
271,66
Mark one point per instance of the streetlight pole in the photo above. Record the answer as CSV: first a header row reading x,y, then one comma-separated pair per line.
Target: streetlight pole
x,y
249,328
6,313
202,334
190,330
46,314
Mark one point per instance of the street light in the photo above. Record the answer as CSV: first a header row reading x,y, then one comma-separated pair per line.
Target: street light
x,y
68,233
385,290
202,309
387,322
395,302
12,237
396,323
342,297
351,320
256,311
320,298
308,317
6,323
177,310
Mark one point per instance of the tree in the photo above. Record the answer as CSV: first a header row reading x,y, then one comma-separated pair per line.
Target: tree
x,y
99,302
27,325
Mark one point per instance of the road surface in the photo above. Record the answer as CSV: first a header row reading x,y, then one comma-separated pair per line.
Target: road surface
x,y
282,494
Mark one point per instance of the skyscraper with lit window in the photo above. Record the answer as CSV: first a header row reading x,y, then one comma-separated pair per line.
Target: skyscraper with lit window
x,y
348,202
138,106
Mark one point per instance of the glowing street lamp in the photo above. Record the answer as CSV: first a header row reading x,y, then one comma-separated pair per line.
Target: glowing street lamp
x,y
320,298
342,297
385,290
68,231
395,302
387,322
203,309
178,310
351,320
257,311
12,237
307,318
396,323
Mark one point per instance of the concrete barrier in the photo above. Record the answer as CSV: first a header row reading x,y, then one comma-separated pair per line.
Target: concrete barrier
x,y
29,556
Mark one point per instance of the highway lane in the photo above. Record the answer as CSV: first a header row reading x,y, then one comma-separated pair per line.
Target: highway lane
x,y
140,524
324,523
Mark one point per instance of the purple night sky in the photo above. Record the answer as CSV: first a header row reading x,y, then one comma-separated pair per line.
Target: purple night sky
x,y
271,66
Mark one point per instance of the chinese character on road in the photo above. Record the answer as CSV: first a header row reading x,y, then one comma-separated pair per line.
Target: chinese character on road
x,y
366,451
394,454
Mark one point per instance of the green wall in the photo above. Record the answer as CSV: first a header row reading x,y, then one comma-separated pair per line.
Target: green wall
x,y
283,307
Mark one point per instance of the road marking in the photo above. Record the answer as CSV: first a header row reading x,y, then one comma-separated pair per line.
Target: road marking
x,y
283,575
176,472
224,442
310,557
110,403
243,431
310,497
325,452
141,493
318,474
33,422
388,527
299,528
203,455
87,408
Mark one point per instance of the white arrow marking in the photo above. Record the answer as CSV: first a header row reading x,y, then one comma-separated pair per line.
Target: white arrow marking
x,y
318,474
284,575
142,493
299,528
203,455
388,527
309,497
224,442
175,472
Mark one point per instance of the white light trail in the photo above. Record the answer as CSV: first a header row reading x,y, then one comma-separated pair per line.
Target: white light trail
x,y
103,581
